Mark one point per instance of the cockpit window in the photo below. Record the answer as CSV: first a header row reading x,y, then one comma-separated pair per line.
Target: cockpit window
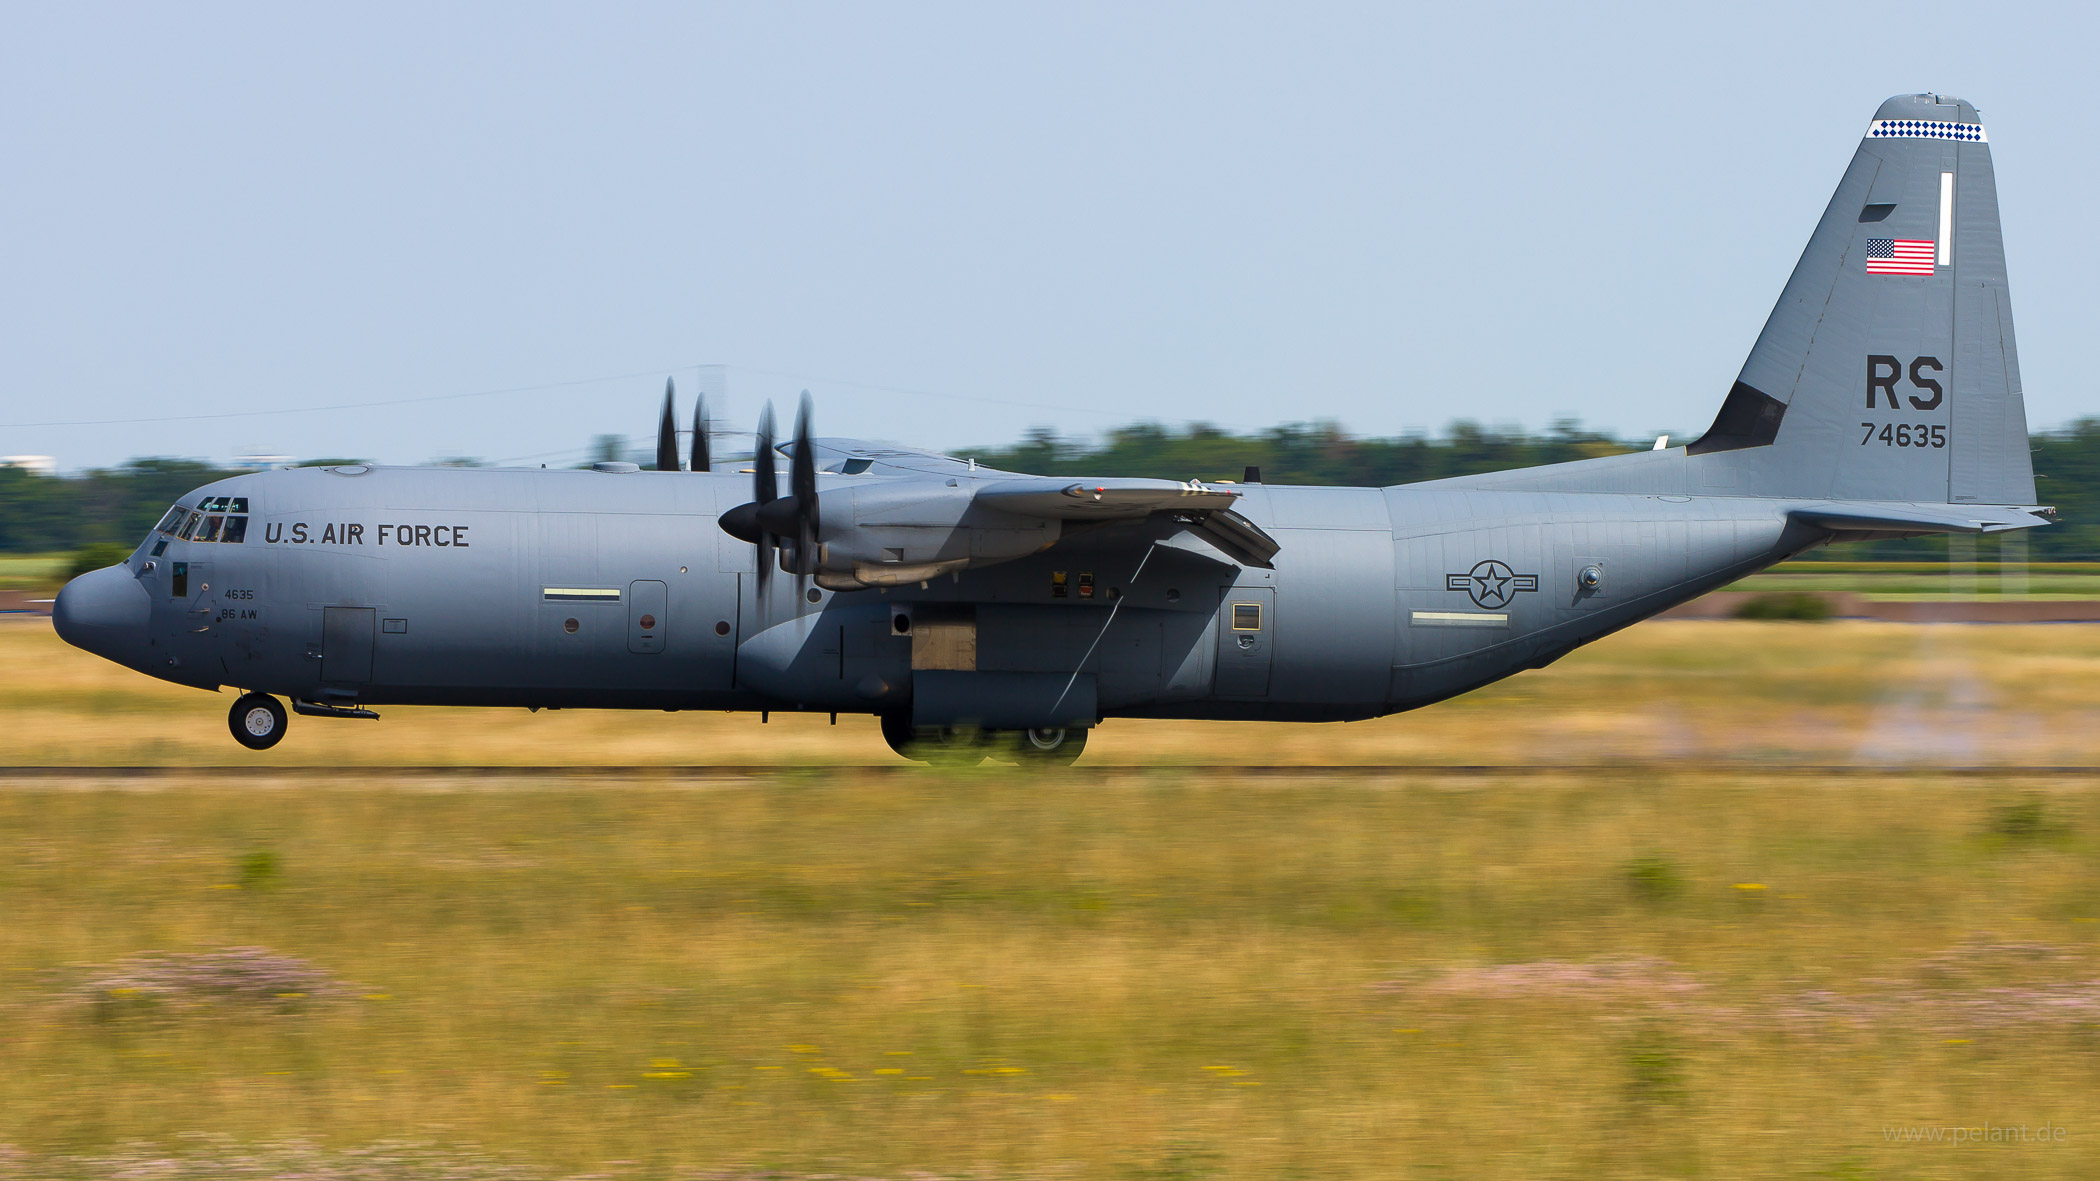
x,y
217,518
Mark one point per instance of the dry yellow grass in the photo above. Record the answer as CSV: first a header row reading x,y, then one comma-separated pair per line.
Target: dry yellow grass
x,y
1649,968
1845,692
1122,974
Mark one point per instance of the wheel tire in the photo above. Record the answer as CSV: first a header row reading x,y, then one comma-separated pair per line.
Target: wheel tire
x,y
940,746
956,746
1054,747
257,721
898,732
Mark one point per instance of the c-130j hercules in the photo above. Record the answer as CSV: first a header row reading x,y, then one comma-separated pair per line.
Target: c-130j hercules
x,y
983,613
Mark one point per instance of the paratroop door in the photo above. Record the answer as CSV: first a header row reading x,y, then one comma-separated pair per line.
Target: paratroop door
x,y
645,616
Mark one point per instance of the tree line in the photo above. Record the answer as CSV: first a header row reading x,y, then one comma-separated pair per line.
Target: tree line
x,y
41,514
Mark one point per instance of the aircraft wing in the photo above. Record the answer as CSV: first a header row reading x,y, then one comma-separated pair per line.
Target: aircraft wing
x,y
1203,509
1898,517
1098,500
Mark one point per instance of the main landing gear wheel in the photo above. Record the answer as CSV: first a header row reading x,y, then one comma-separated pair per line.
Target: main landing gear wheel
x,y
257,721
1058,747
942,746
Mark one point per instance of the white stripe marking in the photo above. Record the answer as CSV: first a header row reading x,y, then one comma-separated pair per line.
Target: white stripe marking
x,y
1946,218
1459,619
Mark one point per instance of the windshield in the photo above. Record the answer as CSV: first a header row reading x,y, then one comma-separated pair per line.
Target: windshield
x,y
216,518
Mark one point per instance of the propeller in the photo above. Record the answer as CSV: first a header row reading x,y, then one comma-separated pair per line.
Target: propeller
x,y
667,434
771,520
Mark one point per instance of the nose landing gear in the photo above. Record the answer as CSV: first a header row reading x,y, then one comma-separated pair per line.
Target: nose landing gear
x,y
257,721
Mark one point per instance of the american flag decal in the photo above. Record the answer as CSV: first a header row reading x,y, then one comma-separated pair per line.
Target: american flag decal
x,y
1899,256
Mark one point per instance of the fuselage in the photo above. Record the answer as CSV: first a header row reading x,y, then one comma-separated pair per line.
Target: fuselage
x,y
565,589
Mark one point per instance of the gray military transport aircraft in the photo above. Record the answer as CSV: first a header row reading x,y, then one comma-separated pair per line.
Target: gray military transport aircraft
x,y
982,613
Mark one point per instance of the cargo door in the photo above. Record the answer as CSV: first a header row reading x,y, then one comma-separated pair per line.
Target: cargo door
x,y
1245,626
646,617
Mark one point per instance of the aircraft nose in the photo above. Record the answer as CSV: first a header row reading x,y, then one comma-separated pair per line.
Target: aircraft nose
x,y
105,612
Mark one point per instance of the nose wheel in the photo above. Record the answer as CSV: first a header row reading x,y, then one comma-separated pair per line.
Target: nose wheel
x,y
257,721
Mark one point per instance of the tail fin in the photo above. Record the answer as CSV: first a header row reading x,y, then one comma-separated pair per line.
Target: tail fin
x,y
1887,370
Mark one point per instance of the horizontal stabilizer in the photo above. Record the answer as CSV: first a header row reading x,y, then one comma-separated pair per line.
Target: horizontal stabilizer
x,y
1887,517
1100,500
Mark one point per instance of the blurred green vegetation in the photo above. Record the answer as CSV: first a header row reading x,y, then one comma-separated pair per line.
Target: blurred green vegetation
x,y
1800,606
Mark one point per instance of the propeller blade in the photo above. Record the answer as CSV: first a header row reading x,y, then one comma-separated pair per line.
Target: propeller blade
x,y
667,435
702,461
765,480
765,489
802,477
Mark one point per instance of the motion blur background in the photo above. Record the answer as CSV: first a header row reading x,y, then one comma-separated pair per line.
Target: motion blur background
x,y
1799,883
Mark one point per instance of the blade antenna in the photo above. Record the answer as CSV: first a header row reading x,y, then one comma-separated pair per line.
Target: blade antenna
x,y
667,434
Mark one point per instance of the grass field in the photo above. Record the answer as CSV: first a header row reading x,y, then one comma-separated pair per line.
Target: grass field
x,y
1674,948
33,572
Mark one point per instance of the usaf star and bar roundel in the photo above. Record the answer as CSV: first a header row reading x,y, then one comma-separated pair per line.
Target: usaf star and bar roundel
x,y
1491,583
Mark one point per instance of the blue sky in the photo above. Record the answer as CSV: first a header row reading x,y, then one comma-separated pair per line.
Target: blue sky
x,y
953,222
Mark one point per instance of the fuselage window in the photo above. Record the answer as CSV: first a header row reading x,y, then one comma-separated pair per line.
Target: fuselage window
x,y
1246,617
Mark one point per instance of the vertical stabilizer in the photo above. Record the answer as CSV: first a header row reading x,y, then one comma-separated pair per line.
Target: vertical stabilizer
x,y
1887,370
